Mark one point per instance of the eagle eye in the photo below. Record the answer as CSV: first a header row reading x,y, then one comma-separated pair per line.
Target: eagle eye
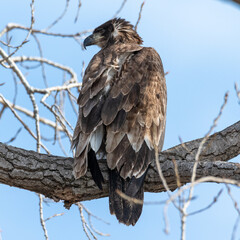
x,y
111,28
100,31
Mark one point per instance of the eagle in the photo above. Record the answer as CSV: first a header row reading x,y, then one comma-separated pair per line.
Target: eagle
x,y
122,115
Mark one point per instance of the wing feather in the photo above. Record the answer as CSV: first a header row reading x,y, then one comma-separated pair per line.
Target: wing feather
x,y
131,104
113,140
133,98
89,105
83,140
118,122
80,164
141,116
110,109
114,157
93,119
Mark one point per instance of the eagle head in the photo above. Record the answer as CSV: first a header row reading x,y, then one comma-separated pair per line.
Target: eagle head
x,y
114,31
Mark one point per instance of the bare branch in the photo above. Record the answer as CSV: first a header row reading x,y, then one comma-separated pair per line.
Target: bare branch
x,y
14,137
78,10
22,122
12,26
84,223
73,75
30,114
237,92
26,38
90,221
120,9
139,15
53,216
209,206
52,175
60,17
41,216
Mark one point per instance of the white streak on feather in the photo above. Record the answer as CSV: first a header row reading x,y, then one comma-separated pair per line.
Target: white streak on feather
x,y
115,32
96,139
148,142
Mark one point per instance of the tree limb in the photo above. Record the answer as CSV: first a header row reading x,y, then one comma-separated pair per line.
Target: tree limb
x,y
52,175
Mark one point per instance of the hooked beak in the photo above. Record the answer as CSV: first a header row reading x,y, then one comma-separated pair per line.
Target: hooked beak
x,y
90,40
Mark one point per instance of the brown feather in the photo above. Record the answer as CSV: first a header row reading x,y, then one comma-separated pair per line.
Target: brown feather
x,y
126,163
110,109
90,104
122,114
80,164
98,85
133,98
83,140
90,122
119,151
83,98
118,121
113,140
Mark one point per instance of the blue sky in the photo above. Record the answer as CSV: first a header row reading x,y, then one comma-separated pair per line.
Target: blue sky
x,y
198,42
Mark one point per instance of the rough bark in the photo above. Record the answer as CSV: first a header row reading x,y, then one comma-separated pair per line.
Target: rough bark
x,y
52,175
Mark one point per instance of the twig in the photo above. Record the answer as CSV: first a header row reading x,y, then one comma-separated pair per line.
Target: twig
x,y
207,136
237,92
84,224
12,26
22,122
209,206
41,216
164,182
36,117
120,9
49,62
60,17
60,143
130,199
197,159
13,74
41,63
90,213
14,137
26,38
235,227
53,216
58,118
78,10
235,204
30,114
72,99
196,182
91,225
139,15
62,115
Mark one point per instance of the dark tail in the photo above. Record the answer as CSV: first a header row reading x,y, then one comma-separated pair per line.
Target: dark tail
x,y
126,212
94,169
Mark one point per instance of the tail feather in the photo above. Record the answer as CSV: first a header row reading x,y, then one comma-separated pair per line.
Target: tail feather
x,y
94,169
126,212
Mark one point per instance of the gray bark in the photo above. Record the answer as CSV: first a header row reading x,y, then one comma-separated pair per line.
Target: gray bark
x,y
52,175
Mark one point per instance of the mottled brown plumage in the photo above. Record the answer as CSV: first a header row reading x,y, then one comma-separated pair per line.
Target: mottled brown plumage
x,y
122,112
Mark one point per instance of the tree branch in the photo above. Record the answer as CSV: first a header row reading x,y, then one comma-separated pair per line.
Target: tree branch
x,y
52,175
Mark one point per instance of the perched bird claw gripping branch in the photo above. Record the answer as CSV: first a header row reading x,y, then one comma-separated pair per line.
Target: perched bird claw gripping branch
x,y
122,114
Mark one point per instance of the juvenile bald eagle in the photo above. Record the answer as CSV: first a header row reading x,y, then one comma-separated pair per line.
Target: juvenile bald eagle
x,y
122,112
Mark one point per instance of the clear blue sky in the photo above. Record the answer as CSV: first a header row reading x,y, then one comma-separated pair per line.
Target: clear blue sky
x,y
198,42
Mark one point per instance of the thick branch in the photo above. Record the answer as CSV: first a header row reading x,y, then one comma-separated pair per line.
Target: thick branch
x,y
52,175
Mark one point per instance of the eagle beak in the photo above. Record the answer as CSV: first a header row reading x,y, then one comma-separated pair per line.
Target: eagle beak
x,y
90,40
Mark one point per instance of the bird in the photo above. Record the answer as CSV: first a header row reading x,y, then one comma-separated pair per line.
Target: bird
x,y
122,115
